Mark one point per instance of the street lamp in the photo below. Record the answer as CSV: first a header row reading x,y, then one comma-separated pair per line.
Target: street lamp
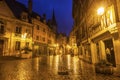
x,y
24,36
100,11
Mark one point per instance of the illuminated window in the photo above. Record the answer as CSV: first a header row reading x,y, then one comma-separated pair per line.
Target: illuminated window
x,y
17,45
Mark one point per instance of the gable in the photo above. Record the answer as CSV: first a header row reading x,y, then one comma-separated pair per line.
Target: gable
x,y
5,10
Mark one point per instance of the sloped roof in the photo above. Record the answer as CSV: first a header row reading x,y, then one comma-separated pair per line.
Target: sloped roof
x,y
16,7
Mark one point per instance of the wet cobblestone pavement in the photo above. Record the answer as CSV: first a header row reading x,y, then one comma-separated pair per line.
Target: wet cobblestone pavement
x,y
47,68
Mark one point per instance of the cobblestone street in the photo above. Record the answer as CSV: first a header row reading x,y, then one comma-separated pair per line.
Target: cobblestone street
x,y
47,68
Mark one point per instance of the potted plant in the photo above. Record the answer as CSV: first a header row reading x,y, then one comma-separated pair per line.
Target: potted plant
x,y
26,52
104,67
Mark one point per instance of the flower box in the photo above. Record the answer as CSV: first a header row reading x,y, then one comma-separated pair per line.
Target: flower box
x,y
104,67
24,55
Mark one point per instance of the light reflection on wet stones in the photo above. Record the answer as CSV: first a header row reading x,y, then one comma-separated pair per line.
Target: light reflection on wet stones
x,y
47,67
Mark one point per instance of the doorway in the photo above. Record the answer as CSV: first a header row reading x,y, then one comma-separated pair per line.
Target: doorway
x,y
109,49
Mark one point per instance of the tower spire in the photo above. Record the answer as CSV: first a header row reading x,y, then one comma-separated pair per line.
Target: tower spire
x,y
53,18
54,23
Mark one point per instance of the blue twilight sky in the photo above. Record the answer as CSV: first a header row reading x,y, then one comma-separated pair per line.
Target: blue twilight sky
x,y
62,9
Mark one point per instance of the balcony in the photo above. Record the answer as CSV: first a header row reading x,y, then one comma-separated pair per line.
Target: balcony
x,y
18,34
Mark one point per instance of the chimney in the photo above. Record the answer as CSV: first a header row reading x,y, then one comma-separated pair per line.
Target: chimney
x,y
30,10
30,6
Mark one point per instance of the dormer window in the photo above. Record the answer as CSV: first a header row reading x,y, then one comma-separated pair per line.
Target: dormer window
x,y
24,16
38,17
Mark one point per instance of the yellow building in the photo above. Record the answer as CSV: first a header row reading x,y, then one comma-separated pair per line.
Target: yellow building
x,y
15,30
21,27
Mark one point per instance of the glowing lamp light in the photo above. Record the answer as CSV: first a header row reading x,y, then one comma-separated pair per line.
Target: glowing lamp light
x,y
100,11
24,36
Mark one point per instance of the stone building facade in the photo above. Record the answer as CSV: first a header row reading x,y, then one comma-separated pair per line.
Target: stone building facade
x,y
21,27
15,33
98,33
